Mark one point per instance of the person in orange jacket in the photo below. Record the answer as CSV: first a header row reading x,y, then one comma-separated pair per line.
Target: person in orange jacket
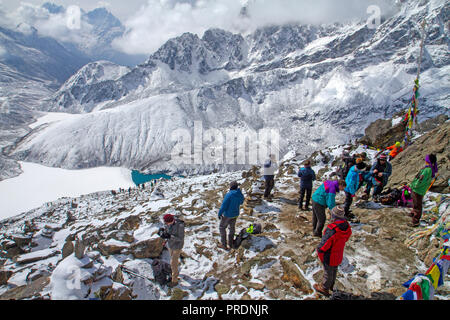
x,y
395,150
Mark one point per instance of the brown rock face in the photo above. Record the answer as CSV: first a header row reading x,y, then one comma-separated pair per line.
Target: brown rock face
x,y
147,249
292,274
381,134
409,162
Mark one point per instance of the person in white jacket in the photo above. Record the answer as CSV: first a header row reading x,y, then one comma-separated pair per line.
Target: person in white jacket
x,y
269,168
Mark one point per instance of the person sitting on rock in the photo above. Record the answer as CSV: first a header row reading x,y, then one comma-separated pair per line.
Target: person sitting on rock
x,y
228,213
324,197
353,181
307,175
395,150
174,228
269,168
420,186
331,249
380,171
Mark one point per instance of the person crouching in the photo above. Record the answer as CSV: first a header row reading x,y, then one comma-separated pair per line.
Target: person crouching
x,y
331,249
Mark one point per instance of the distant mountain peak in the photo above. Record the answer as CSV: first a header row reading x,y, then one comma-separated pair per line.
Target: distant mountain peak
x,y
53,8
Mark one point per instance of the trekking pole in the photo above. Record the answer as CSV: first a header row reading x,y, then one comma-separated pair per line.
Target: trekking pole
x,y
437,175
135,274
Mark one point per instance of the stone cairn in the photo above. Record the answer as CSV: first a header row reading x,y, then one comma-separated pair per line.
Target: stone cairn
x,y
254,188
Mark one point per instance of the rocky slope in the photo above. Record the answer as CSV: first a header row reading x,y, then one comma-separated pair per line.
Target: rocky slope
x,y
306,81
91,236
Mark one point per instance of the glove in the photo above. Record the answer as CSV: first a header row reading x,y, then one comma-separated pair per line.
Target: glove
x,y
163,233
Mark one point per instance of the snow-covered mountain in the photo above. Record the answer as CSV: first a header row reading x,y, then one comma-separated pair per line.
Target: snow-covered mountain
x,y
319,85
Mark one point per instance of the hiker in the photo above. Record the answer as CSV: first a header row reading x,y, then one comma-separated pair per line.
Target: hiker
x,y
353,181
331,249
269,168
395,150
228,213
174,229
324,197
349,161
420,186
307,175
380,171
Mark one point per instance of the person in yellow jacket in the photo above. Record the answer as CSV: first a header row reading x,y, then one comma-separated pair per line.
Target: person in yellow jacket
x,y
420,186
395,150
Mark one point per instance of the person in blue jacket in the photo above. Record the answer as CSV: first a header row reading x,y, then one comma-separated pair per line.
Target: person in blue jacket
x,y
324,197
353,181
228,213
307,175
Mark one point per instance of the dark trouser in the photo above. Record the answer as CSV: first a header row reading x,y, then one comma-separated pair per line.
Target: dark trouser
x,y
302,196
269,185
318,218
417,207
329,276
348,202
377,190
231,224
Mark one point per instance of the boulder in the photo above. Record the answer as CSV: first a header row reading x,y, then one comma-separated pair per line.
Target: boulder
x,y
147,249
116,291
131,223
36,256
381,134
112,246
178,294
79,249
29,291
292,274
4,276
67,249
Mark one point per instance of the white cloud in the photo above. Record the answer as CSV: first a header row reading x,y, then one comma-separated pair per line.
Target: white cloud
x,y
3,52
160,20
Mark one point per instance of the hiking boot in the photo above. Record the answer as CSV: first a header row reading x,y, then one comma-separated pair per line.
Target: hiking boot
x,y
365,196
306,209
172,284
301,208
221,246
319,288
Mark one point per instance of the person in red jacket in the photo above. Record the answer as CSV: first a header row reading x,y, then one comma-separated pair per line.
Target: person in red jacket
x,y
331,249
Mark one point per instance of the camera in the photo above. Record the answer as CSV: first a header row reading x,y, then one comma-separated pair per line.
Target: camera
x,y
163,233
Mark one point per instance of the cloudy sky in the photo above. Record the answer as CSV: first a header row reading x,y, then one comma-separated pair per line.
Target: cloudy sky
x,y
150,23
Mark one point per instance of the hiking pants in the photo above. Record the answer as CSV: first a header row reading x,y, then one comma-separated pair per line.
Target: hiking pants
x,y
302,196
348,203
231,224
378,187
174,259
268,185
318,218
329,276
417,207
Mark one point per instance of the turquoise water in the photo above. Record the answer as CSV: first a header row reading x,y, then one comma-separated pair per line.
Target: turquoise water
x,y
139,178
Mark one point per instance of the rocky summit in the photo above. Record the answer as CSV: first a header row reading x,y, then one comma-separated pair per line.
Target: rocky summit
x,y
102,245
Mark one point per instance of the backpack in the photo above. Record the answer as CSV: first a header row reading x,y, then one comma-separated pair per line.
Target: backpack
x,y
254,228
268,164
240,237
162,272
405,198
390,197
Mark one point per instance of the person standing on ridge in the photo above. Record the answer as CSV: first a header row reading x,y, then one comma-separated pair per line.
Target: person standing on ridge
x,y
395,150
331,249
307,176
419,187
269,168
174,228
323,198
228,213
353,181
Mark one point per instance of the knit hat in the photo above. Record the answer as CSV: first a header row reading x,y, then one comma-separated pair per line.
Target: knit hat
x,y
168,218
338,212
383,157
233,185
359,160
397,144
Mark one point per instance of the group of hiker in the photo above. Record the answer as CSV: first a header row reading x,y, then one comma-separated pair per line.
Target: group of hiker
x,y
353,175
